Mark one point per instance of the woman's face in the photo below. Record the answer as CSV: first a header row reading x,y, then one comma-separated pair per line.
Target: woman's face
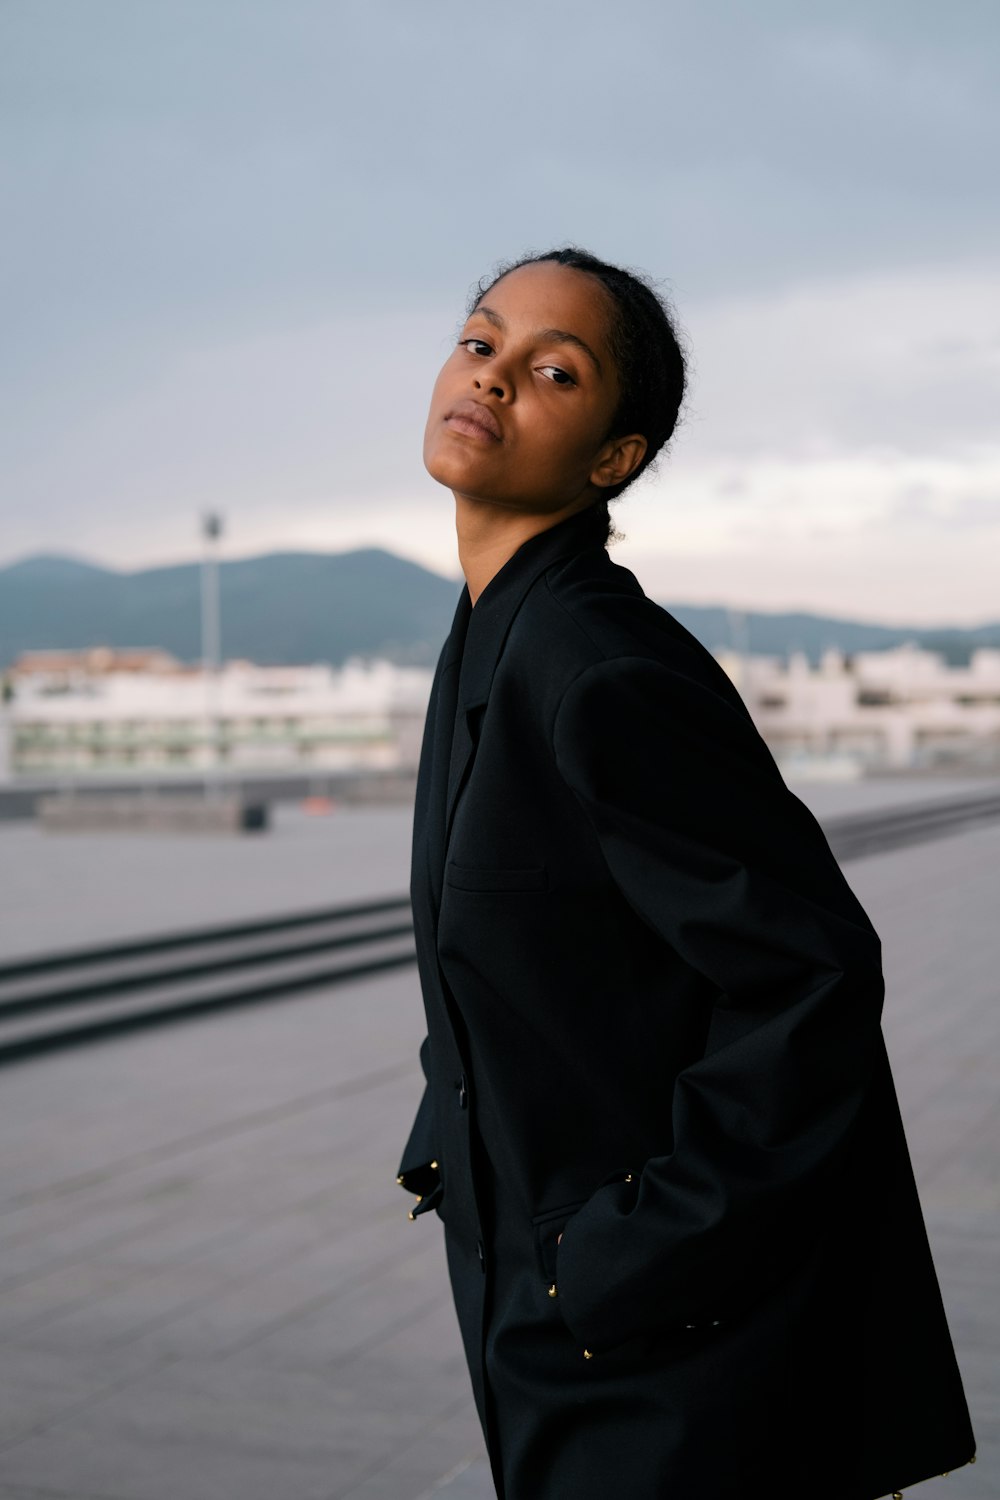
x,y
522,405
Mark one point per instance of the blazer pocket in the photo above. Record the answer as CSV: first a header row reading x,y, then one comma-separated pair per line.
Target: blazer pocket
x,y
496,878
428,1201
547,1228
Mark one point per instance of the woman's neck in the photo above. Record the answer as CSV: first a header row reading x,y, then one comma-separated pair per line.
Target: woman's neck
x,y
489,535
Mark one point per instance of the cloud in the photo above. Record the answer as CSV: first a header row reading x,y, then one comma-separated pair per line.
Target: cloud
x,y
899,360
238,238
878,534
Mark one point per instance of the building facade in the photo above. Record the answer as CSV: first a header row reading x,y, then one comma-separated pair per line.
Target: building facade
x,y
114,712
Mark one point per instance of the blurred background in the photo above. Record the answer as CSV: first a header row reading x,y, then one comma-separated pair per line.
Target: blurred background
x,y
238,243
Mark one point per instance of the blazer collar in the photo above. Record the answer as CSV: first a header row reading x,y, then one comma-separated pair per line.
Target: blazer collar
x,y
478,633
486,625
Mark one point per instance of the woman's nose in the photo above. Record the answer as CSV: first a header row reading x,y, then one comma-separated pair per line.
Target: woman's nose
x,y
493,383
492,376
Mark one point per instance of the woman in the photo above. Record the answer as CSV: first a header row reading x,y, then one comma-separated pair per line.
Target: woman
x,y
682,1232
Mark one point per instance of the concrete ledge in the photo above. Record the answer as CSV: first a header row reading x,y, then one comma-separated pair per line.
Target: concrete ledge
x,y
90,812
376,788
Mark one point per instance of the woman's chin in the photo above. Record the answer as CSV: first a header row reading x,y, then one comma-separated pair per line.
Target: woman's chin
x,y
456,471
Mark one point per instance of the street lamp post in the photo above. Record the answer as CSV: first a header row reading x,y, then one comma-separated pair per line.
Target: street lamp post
x,y
739,640
211,639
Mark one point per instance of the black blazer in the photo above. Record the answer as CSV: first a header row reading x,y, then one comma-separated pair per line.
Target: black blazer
x,y
653,1024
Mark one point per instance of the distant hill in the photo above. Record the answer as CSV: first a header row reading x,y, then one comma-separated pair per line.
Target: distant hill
x,y
283,607
297,607
778,634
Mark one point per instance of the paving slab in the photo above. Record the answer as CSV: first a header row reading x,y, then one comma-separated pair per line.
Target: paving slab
x,y
155,883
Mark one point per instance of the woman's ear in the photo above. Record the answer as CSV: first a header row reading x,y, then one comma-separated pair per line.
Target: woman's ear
x,y
619,458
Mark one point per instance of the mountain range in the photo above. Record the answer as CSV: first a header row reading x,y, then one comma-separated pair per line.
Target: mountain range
x,y
284,608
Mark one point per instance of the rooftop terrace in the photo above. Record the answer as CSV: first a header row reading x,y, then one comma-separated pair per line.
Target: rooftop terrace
x,y
209,1287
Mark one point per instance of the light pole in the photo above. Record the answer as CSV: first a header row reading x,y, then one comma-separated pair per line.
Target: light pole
x,y
739,639
6,728
211,638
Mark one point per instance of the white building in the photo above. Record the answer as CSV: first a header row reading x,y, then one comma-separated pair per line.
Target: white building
x,y
900,709
114,711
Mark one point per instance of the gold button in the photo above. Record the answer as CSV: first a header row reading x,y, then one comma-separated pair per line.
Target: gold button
x,y
587,1354
400,1177
897,1495
411,1214
552,1290
434,1165
628,1177
945,1473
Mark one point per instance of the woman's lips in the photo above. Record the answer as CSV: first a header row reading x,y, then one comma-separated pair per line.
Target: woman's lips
x,y
474,420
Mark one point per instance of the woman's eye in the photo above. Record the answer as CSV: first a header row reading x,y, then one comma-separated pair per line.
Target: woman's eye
x,y
481,342
560,377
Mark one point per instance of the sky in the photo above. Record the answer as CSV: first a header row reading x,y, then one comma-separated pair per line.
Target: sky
x,y
239,238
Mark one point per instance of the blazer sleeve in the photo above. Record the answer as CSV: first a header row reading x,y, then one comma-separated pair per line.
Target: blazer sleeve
x,y
712,850
418,1169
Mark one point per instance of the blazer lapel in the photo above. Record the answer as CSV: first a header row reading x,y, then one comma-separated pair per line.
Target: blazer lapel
x,y
429,805
487,627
